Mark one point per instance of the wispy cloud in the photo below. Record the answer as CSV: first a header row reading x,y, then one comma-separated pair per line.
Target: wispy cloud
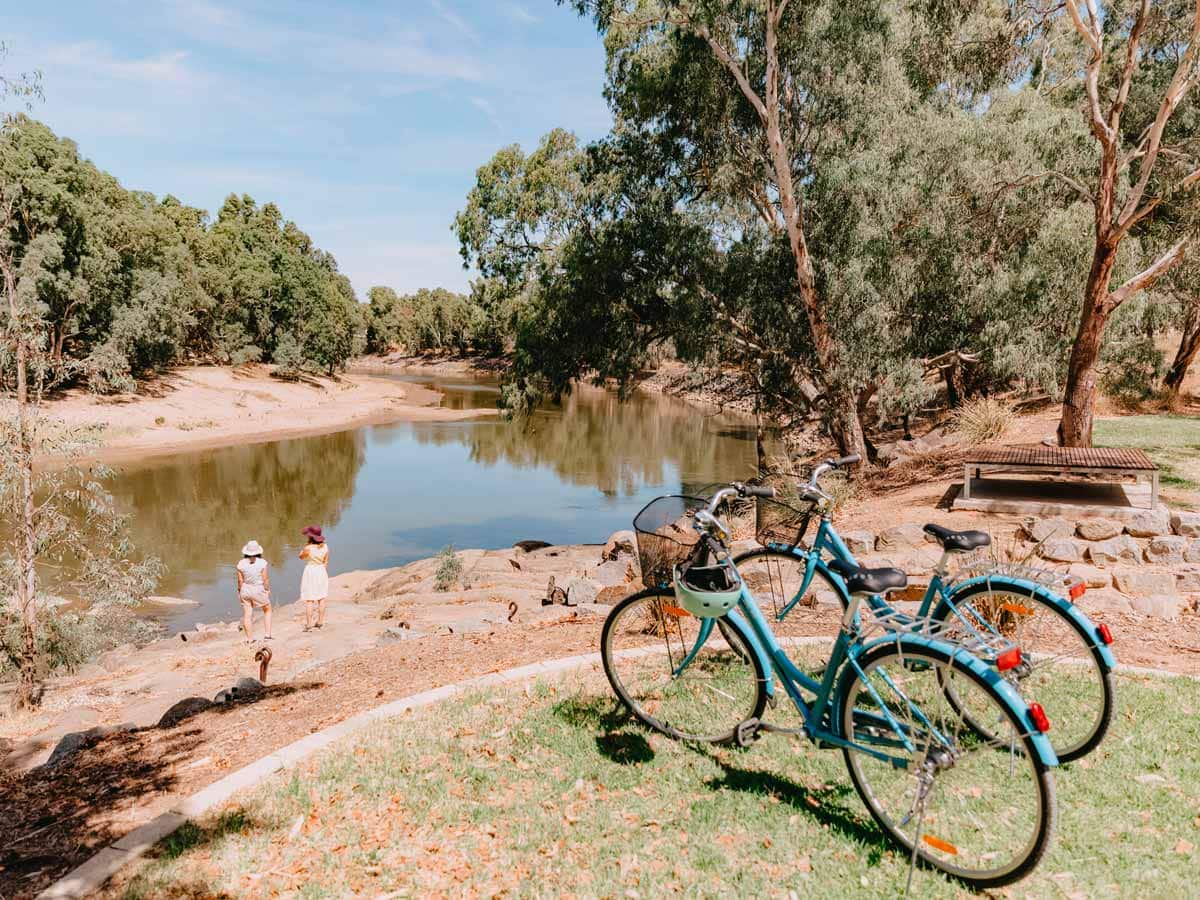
x,y
520,14
488,110
169,68
455,21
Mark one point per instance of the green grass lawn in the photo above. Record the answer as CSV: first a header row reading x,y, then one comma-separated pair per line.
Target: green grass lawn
x,y
1173,442
547,792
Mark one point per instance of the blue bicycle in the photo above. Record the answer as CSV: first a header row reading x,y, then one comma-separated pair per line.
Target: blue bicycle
x,y
1018,618
964,786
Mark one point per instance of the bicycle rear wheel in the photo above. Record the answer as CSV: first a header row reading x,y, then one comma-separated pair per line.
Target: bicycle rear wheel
x,y
1062,668
644,645
980,810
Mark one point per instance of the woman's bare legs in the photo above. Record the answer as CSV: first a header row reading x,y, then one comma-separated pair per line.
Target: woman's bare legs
x,y
247,619
267,621
308,615
321,613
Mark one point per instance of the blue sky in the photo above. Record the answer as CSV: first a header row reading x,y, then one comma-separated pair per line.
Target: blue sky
x,y
364,120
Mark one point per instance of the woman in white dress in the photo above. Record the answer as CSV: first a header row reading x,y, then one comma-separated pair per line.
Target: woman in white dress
x,y
314,585
254,588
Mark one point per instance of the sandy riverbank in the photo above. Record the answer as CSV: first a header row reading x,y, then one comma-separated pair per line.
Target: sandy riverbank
x,y
202,407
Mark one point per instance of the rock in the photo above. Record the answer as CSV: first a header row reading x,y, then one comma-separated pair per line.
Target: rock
x,y
859,541
1140,583
619,542
1059,549
246,687
78,740
1092,576
582,590
184,709
1114,550
1188,581
1161,606
171,601
530,546
1105,601
1038,530
612,572
1192,553
1150,523
395,634
1166,551
1098,529
900,536
611,596
1186,523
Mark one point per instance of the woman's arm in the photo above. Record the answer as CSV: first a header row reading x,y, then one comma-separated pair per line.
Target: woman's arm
x,y
241,580
304,552
267,579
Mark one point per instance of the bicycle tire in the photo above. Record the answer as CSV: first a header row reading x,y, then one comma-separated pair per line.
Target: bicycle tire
x,y
738,650
954,783
1066,747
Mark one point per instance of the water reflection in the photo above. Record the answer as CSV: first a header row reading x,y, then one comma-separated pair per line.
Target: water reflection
x,y
393,493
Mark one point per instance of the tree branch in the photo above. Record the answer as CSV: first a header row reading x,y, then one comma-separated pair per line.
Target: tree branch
x,y
1093,38
1148,276
1131,60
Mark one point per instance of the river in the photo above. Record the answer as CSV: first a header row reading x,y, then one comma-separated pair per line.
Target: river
x,y
390,494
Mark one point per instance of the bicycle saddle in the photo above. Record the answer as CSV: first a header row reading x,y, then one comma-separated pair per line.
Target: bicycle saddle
x,y
958,540
860,580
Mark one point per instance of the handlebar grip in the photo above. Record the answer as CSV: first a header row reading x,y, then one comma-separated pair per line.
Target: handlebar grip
x,y
846,460
761,490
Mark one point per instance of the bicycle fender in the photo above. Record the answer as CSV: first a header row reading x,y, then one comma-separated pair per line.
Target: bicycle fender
x,y
1064,606
1015,702
768,668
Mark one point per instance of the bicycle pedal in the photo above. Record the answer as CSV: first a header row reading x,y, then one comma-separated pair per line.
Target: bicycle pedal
x,y
748,732
917,665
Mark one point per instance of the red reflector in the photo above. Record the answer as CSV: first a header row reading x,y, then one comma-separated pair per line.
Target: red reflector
x,y
1105,633
1077,590
1009,659
1040,722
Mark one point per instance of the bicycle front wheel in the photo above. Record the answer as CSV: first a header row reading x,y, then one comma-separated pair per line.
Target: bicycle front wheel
x,y
1062,668
981,810
645,646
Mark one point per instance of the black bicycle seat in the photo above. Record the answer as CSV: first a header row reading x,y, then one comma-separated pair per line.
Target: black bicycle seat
x,y
958,540
861,580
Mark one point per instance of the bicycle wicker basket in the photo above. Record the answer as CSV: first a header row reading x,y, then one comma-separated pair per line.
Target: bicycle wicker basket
x,y
665,537
781,524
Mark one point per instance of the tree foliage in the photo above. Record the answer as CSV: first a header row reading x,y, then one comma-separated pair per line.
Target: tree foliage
x,y
129,284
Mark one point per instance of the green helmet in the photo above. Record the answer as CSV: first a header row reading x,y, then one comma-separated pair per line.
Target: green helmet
x,y
708,591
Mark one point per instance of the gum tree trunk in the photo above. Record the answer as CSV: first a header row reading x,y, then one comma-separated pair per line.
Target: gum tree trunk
x,y
1189,347
1079,399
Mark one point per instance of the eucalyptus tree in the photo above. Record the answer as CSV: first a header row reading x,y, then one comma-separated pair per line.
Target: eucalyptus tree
x,y
1183,284
1139,63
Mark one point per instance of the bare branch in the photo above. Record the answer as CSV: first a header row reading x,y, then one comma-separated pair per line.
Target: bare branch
x,y
1092,36
1148,276
1131,61
1183,79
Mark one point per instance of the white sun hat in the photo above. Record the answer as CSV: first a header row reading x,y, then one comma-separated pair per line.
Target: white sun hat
x,y
252,549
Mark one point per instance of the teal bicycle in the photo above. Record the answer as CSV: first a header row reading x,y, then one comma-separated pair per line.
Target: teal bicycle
x,y
991,607
694,648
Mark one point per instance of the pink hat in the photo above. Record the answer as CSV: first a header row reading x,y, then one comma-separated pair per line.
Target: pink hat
x,y
314,532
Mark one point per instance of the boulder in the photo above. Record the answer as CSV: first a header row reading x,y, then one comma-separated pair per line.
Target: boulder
x,y
249,686
1140,583
1192,553
1060,549
184,709
1114,550
1186,523
1167,550
1150,523
859,542
612,572
530,546
1188,580
1104,602
1098,529
78,740
619,542
582,590
1160,606
898,537
1038,530
1092,576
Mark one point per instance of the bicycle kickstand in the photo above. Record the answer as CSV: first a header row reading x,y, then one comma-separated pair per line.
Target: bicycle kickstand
x,y
751,730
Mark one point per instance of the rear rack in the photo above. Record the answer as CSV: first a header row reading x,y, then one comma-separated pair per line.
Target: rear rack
x,y
983,565
980,640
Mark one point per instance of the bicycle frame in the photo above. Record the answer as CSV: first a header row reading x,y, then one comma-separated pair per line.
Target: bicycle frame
x,y
846,651
829,541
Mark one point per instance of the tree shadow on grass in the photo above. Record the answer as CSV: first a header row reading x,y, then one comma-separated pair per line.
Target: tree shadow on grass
x,y
825,804
622,741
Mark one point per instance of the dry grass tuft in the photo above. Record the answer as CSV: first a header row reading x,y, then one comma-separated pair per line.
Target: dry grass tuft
x,y
982,419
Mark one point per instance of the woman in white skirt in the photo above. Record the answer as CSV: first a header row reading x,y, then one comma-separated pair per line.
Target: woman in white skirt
x,y
254,588
314,585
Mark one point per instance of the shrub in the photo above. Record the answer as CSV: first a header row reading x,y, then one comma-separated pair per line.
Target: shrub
x,y
449,569
982,419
